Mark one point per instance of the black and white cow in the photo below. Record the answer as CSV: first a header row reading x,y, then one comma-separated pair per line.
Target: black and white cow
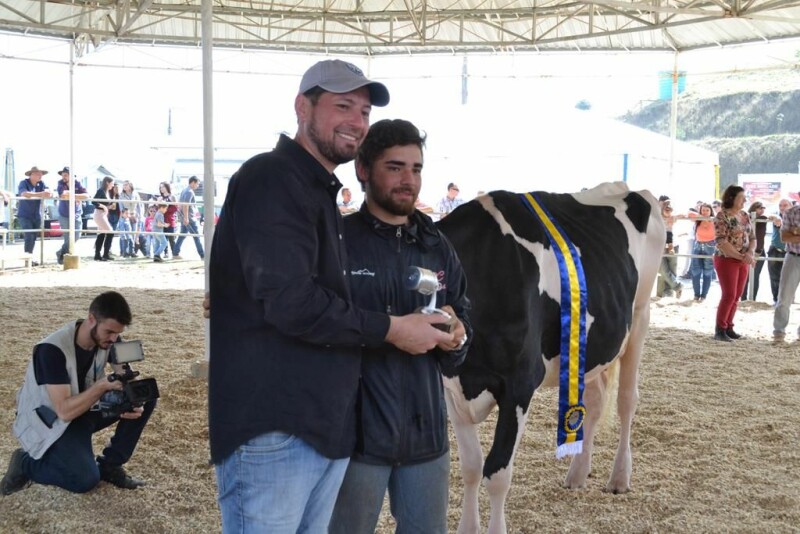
x,y
514,287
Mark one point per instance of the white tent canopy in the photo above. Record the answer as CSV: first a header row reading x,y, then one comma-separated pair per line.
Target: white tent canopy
x,y
370,27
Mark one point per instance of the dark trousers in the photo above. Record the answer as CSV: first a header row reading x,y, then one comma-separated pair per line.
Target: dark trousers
x,y
103,242
70,463
64,222
168,233
774,269
756,275
29,238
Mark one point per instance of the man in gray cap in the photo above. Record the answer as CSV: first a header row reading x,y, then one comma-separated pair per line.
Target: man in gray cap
x,y
286,339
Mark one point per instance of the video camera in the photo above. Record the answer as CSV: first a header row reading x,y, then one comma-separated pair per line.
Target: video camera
x,y
134,393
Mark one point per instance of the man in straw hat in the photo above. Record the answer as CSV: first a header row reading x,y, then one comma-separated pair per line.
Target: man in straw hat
x,y
29,212
285,354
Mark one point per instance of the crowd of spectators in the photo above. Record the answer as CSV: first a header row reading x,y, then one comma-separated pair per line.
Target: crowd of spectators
x,y
729,243
117,210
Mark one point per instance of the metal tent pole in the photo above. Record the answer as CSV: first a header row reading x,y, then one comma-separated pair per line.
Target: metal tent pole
x,y
200,369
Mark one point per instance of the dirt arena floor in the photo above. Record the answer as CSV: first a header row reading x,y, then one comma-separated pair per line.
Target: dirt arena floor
x,y
715,440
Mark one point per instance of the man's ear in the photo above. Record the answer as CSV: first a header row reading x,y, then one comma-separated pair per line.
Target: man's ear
x,y
301,107
91,320
362,174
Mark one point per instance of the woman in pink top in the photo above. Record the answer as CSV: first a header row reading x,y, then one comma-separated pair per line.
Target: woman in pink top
x,y
736,241
704,244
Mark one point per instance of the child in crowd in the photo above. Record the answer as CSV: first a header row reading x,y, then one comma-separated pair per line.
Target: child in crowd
x,y
160,242
148,227
126,237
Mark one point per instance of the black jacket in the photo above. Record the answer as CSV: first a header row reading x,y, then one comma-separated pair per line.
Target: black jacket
x,y
285,336
402,412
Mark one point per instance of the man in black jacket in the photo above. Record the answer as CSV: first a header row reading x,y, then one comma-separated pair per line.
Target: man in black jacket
x,y
402,440
286,339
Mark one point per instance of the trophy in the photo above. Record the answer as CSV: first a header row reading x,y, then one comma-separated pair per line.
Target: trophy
x,y
425,282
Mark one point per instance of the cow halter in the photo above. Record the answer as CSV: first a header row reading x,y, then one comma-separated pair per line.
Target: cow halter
x,y
571,411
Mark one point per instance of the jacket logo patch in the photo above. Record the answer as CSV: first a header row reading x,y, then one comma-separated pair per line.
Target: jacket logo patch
x,y
441,277
362,272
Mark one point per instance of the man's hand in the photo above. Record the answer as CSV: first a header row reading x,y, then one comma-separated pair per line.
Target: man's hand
x,y
207,305
69,407
459,331
414,334
135,414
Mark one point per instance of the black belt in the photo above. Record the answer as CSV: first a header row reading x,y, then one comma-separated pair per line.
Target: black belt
x,y
793,253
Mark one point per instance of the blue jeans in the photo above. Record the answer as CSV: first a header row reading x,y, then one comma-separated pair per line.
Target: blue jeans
x,y
277,483
702,268
190,228
69,463
126,244
64,222
418,496
29,238
159,243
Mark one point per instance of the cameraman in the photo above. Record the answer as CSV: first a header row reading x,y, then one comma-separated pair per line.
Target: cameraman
x,y
55,420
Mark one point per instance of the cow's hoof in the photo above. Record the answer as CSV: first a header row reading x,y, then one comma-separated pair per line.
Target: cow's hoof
x,y
574,485
618,490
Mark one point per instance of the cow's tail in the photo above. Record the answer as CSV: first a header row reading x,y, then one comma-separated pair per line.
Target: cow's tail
x,y
611,377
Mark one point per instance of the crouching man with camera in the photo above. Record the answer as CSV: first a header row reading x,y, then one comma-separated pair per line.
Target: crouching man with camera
x,y
63,401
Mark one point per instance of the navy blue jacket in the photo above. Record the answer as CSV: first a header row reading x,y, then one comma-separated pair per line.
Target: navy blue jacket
x,y
285,336
402,413
29,209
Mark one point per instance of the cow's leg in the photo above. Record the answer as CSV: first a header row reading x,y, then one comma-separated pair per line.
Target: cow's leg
x,y
627,399
594,398
465,418
500,460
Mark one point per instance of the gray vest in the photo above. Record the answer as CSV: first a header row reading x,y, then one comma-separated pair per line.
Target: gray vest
x,y
34,435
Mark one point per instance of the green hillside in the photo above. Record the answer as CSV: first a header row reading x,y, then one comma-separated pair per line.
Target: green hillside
x,y
751,119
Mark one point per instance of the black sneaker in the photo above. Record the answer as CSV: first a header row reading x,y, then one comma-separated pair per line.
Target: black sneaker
x,y
732,334
15,480
115,474
60,257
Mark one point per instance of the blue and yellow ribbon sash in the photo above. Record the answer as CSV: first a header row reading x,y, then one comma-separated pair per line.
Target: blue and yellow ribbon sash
x,y
571,411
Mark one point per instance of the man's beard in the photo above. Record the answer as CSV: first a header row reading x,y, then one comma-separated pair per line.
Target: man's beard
x,y
328,149
385,200
93,335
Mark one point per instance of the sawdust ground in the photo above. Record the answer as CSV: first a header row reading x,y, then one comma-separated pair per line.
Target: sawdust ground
x,y
714,440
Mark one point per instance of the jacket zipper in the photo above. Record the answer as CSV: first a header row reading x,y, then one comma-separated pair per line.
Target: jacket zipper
x,y
399,238
402,451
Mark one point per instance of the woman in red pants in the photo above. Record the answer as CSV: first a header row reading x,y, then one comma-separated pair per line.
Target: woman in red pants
x,y
733,256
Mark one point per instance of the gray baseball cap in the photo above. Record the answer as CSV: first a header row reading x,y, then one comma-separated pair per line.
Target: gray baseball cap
x,y
336,76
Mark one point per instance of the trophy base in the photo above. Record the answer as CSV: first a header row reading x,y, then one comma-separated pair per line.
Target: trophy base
x,y
444,327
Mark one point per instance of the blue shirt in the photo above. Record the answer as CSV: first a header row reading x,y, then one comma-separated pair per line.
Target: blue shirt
x,y
29,209
63,205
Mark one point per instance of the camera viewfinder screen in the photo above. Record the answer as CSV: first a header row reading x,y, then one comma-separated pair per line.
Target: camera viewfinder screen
x,y
128,351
